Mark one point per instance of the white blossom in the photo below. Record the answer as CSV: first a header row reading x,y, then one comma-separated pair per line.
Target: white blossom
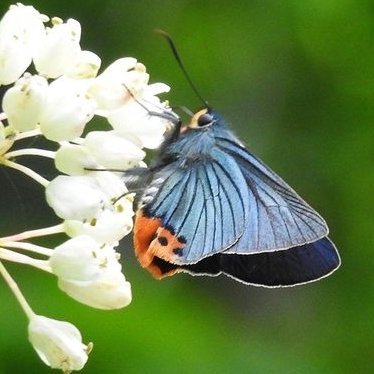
x,y
110,291
58,344
67,110
75,159
108,227
113,151
23,103
94,207
75,197
115,86
80,259
21,32
59,50
86,66
133,121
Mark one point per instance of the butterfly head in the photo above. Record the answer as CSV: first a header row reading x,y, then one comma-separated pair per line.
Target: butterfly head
x,y
202,119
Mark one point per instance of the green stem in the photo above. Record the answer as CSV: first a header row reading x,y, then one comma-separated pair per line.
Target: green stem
x,y
17,292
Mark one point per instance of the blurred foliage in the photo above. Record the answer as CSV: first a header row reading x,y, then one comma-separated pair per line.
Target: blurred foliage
x,y
295,79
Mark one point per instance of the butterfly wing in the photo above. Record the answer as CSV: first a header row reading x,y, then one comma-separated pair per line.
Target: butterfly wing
x,y
297,265
229,213
198,211
278,217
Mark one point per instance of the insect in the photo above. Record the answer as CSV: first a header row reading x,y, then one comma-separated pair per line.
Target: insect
x,y
212,207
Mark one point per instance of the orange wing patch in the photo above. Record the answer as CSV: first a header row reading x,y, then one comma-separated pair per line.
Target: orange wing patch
x,y
156,247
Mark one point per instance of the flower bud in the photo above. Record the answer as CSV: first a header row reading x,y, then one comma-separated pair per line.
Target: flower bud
x,y
134,121
110,291
112,151
58,343
75,197
109,227
74,159
24,102
60,49
79,259
110,89
86,66
21,31
67,110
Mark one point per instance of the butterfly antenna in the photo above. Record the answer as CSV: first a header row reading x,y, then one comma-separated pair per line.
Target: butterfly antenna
x,y
181,65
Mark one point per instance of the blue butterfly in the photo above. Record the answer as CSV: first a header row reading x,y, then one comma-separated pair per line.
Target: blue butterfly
x,y
212,207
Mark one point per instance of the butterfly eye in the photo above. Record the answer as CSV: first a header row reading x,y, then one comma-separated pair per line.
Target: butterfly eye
x,y
204,120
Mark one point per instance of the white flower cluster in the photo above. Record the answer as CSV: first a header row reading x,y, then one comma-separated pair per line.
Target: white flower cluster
x,y
94,205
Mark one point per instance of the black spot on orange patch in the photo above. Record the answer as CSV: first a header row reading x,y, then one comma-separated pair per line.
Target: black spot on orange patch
x,y
182,239
155,245
162,240
178,251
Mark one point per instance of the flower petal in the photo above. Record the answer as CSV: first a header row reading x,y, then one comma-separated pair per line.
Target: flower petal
x,y
58,343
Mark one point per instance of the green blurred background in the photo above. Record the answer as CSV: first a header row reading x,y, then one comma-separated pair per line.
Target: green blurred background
x,y
295,79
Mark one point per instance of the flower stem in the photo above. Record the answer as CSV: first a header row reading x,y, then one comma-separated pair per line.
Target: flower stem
x,y
27,134
17,292
24,169
32,152
57,229
6,254
27,247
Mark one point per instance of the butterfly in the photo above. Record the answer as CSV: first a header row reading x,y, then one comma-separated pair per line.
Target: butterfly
x,y
211,207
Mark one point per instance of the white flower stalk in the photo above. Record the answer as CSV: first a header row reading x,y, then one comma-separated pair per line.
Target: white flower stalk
x,y
23,103
21,32
94,207
58,343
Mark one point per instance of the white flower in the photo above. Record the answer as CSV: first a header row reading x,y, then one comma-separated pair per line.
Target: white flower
x,y
133,121
23,103
91,273
21,32
59,50
86,66
110,183
67,110
58,344
113,151
79,259
109,227
114,220
75,159
111,88
110,291
75,197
